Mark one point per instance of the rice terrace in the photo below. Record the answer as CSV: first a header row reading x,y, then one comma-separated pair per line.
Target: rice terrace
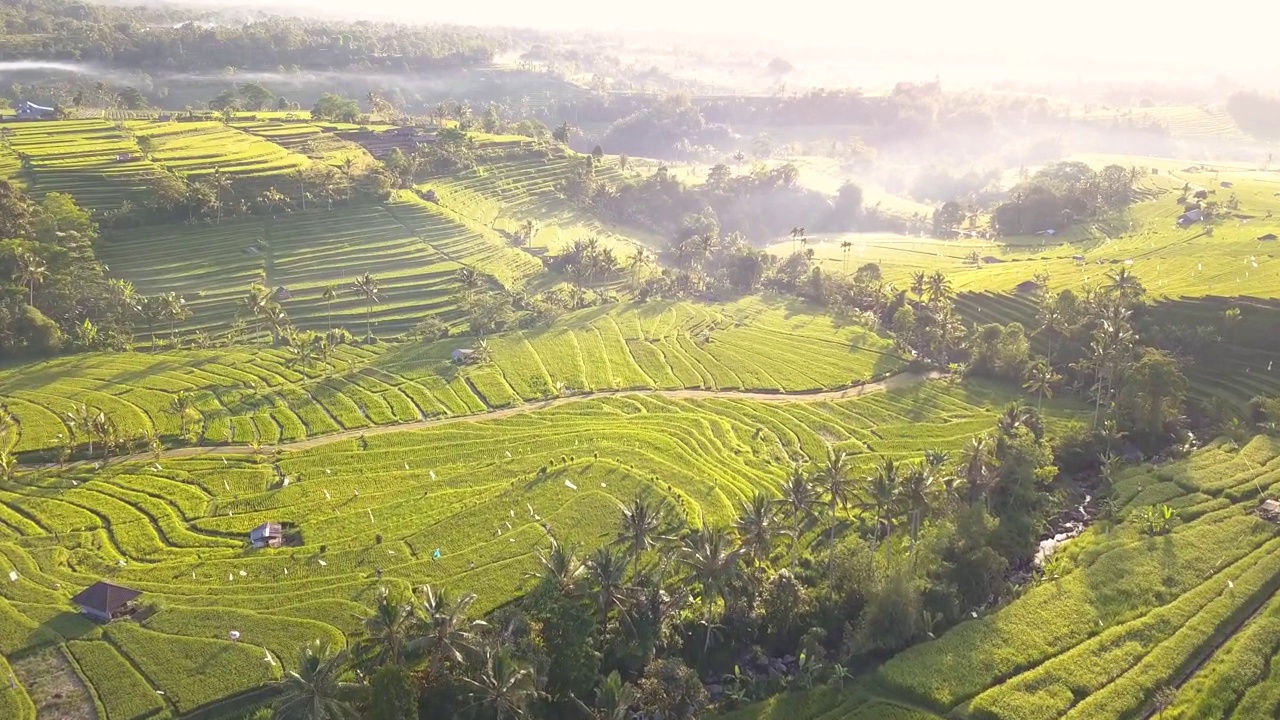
x,y
355,366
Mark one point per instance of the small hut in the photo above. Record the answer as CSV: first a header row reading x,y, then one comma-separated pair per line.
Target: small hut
x,y
268,534
462,355
281,294
1027,287
1267,237
106,602
1270,510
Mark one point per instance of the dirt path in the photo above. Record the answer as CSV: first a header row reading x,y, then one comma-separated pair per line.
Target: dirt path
x,y
900,380
59,692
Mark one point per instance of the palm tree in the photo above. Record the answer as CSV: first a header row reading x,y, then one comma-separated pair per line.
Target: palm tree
x,y
180,405
642,525
175,310
304,347
799,498
152,310
1052,323
31,271
835,484
882,499
614,699
845,247
917,492
918,282
976,464
939,288
255,304
388,632
348,164
277,321
448,636
755,528
712,565
367,287
1124,285
8,464
329,295
503,686
1041,379
606,574
315,691
638,261
560,569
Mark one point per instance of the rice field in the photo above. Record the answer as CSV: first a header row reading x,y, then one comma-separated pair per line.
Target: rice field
x,y
260,394
478,491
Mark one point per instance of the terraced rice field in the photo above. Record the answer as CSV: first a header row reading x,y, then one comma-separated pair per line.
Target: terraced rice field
x,y
259,395
515,182
81,158
307,139
1127,615
477,491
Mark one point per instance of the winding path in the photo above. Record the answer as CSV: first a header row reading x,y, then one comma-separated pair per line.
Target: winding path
x,y
901,380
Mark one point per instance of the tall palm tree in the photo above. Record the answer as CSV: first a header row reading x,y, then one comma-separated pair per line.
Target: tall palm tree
x,y
917,494
755,528
277,321
316,691
447,635
799,498
329,295
31,271
180,405
975,465
255,304
919,280
1124,285
643,521
175,311
348,164
614,699
938,288
502,685
152,311
882,500
833,479
712,564
1041,379
561,569
845,247
367,287
606,575
1052,323
388,632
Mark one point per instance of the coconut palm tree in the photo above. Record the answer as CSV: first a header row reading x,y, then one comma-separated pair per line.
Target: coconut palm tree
x,y
918,282
316,691
8,465
833,480
882,500
1041,379
939,288
643,521
447,635
755,528
561,569
175,311
152,310
605,572
367,287
348,165
1124,285
712,564
277,321
255,304
388,632
799,498
614,699
1052,323
30,271
976,464
329,295
502,686
917,494
180,405
845,247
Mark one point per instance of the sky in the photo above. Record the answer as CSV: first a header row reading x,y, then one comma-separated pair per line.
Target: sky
x,y
1102,35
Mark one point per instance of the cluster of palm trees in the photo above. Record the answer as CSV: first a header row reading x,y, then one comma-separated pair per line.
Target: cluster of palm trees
x,y
586,261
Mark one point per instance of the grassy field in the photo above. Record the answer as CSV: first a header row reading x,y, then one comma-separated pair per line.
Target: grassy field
x,y
1125,616
248,393
478,491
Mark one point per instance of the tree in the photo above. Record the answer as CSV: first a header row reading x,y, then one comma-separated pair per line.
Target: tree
x,y
606,573
562,133
712,564
560,569
31,271
336,108
152,310
328,295
834,481
387,632
393,694
315,690
1041,379
614,700
1151,394
882,500
181,405
755,528
643,521
367,287
670,690
448,637
503,686
917,493
799,498
175,311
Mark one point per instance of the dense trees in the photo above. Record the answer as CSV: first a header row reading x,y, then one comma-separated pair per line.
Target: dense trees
x,y
165,38
1061,194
